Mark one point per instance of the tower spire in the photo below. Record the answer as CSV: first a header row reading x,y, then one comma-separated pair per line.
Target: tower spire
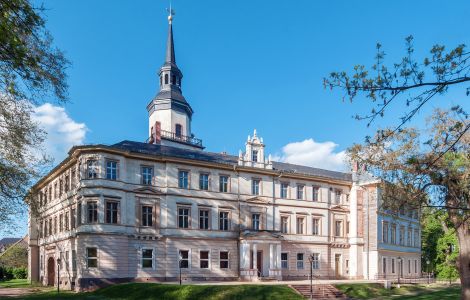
x,y
170,48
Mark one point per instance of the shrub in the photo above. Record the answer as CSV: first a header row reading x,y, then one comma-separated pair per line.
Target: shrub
x,y
6,273
20,273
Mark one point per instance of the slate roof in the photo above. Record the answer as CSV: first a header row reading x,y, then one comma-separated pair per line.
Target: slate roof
x,y
9,241
168,151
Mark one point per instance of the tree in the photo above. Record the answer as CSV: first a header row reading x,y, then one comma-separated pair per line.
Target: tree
x,y
31,70
15,257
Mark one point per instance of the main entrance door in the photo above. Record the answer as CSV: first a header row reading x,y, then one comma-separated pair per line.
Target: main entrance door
x,y
259,262
50,271
337,265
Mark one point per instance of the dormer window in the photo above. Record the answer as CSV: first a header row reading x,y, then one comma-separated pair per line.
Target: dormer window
x,y
178,130
166,78
254,155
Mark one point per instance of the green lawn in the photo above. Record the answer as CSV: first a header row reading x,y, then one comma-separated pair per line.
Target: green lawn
x,y
375,290
175,292
15,283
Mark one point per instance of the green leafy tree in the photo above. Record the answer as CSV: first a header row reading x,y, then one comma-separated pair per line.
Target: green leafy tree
x,y
31,70
15,257
431,232
447,253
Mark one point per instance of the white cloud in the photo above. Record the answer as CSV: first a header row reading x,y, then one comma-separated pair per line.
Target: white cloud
x,y
62,131
314,154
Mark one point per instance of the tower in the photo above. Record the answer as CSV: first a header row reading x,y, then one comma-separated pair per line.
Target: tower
x,y
169,112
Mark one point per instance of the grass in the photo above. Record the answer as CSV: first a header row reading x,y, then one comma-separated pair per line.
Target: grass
x,y
15,283
149,291
377,291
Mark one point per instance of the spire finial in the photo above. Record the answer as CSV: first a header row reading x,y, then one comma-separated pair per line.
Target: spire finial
x,y
171,13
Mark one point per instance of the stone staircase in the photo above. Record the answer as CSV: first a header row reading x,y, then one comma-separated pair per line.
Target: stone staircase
x,y
320,291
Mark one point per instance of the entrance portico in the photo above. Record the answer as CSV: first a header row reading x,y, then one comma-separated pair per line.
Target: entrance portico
x,y
260,255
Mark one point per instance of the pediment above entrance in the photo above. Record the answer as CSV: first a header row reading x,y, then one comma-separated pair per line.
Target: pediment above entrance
x,y
257,199
148,190
339,208
261,235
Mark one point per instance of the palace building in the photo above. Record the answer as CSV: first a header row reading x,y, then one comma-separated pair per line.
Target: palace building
x,y
144,211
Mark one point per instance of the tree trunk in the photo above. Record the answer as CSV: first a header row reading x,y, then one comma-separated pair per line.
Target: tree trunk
x,y
463,235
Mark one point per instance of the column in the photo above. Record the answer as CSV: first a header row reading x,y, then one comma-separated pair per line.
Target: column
x,y
255,264
278,256
272,257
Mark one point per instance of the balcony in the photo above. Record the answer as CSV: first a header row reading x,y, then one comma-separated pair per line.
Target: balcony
x,y
168,135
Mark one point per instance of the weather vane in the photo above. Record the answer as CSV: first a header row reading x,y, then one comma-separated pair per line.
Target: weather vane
x,y
171,13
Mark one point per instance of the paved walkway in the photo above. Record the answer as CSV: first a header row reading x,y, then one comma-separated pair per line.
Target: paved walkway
x,y
273,282
14,292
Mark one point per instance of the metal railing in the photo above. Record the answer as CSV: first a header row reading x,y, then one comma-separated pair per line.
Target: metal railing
x,y
191,140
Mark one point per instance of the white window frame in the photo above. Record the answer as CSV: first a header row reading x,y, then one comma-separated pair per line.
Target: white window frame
x,y
285,261
189,258
316,261
228,259
208,258
92,257
318,233
298,261
152,259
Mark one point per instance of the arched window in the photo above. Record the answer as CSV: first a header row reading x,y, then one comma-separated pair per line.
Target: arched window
x,y
166,78
173,79
178,130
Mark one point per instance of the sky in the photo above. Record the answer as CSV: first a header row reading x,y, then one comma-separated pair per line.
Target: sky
x,y
246,64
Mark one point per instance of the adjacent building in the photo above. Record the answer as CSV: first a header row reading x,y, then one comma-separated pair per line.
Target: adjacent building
x,y
138,211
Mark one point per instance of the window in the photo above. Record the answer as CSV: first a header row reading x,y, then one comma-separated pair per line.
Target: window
x,y
300,225
402,235
416,238
41,263
67,221
384,265
147,258
61,222
111,170
393,234
338,228
204,259
73,179
255,221
284,261
316,226
183,179
92,209
300,261
300,191
316,261
223,220
224,260
408,240
178,130
285,224
254,155
41,226
147,174
338,197
204,181
284,189
67,183
61,187
92,169
147,216
184,259
166,78
223,184
183,217
73,219
204,219
255,186
67,260
409,266
393,265
55,225
416,266
56,190
91,258
384,232
79,214
74,260
315,194
112,212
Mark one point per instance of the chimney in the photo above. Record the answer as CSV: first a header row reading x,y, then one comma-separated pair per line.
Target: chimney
x,y
158,133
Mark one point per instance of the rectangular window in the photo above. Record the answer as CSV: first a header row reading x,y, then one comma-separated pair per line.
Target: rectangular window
x,y
316,261
73,218
338,197
91,257
112,208
74,260
402,235
41,262
384,265
284,261
384,232
204,259
416,266
338,228
409,266
300,191
55,225
300,225
184,259
255,186
92,169
147,175
316,226
255,221
183,217
73,179
204,181
67,183
223,184
315,194
284,189
224,260
393,234
409,237
204,219
254,155
393,265
61,187
147,216
285,224
183,179
416,238
223,220
61,222
79,214
111,169
300,261
67,260
67,221
147,258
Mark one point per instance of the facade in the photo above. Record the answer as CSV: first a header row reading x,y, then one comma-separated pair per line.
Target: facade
x,y
138,211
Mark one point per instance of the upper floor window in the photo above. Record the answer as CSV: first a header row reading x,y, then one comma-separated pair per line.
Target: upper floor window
x,y
67,221
92,257
223,220
316,226
409,238
255,183
166,78
61,222
183,217
393,234
285,224
315,194
147,174
92,212
300,191
112,208
337,196
223,183
61,187
300,225
385,232
67,183
147,216
402,235
254,155
204,219
255,221
284,189
338,228
416,238
183,179
111,169
178,130
73,179
92,169
204,181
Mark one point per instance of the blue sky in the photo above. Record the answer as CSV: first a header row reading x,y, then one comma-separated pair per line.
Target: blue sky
x,y
246,64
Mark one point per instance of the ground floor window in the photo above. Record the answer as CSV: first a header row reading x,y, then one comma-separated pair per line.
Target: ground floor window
x,y
393,266
384,265
416,266
284,261
74,260
92,257
300,261
204,259
224,259
184,259
409,266
147,258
